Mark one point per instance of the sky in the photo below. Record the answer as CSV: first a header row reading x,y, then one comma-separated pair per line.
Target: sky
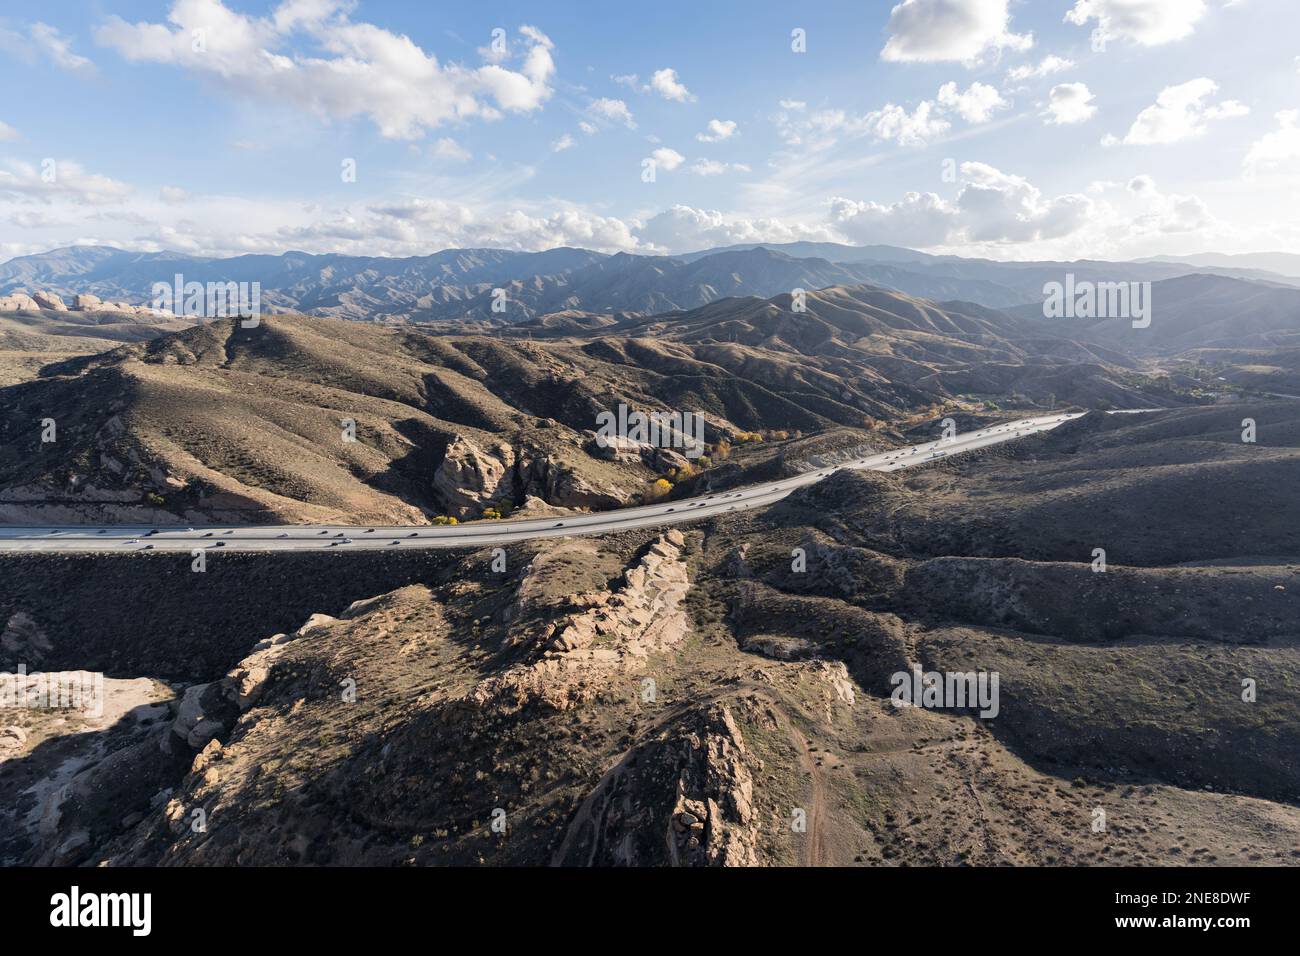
x,y
1012,129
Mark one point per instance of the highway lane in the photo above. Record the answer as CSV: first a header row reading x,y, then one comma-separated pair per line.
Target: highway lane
x,y
477,534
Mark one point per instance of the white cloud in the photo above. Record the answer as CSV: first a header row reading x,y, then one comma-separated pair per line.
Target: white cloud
x,y
1277,149
890,122
926,121
712,167
1069,103
44,41
59,181
1045,67
58,48
354,69
975,105
991,207
718,130
1179,112
7,132
613,111
684,228
667,159
799,106
448,148
917,220
1145,22
1001,207
928,31
445,224
561,144
173,194
1161,213
666,84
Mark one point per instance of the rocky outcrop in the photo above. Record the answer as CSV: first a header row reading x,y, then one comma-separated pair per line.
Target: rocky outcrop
x,y
49,300
52,302
713,822
93,303
207,711
18,302
614,634
683,798
470,479
613,448
558,482
626,451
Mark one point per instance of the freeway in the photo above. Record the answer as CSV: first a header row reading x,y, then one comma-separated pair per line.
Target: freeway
x,y
478,534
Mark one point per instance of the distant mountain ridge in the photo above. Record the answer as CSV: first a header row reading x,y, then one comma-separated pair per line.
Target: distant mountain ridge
x,y
458,285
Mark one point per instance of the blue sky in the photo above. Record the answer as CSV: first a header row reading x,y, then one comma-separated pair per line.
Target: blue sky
x,y
1051,128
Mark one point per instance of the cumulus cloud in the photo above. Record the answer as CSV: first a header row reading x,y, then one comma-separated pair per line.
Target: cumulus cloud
x,y
608,110
1045,67
915,127
666,84
449,224
975,105
1279,148
1161,213
561,144
990,207
346,69
1000,207
917,220
684,228
173,194
7,132
929,31
718,130
1069,103
1179,112
1145,22
667,159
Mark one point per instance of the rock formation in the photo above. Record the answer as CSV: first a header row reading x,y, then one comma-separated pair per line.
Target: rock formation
x,y
614,633
51,301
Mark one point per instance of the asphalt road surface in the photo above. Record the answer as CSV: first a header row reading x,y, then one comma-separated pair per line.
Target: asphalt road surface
x,y
478,534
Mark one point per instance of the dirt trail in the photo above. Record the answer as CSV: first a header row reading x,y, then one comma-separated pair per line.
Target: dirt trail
x,y
815,844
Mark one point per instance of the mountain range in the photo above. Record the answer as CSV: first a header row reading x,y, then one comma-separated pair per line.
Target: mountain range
x,y
457,285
